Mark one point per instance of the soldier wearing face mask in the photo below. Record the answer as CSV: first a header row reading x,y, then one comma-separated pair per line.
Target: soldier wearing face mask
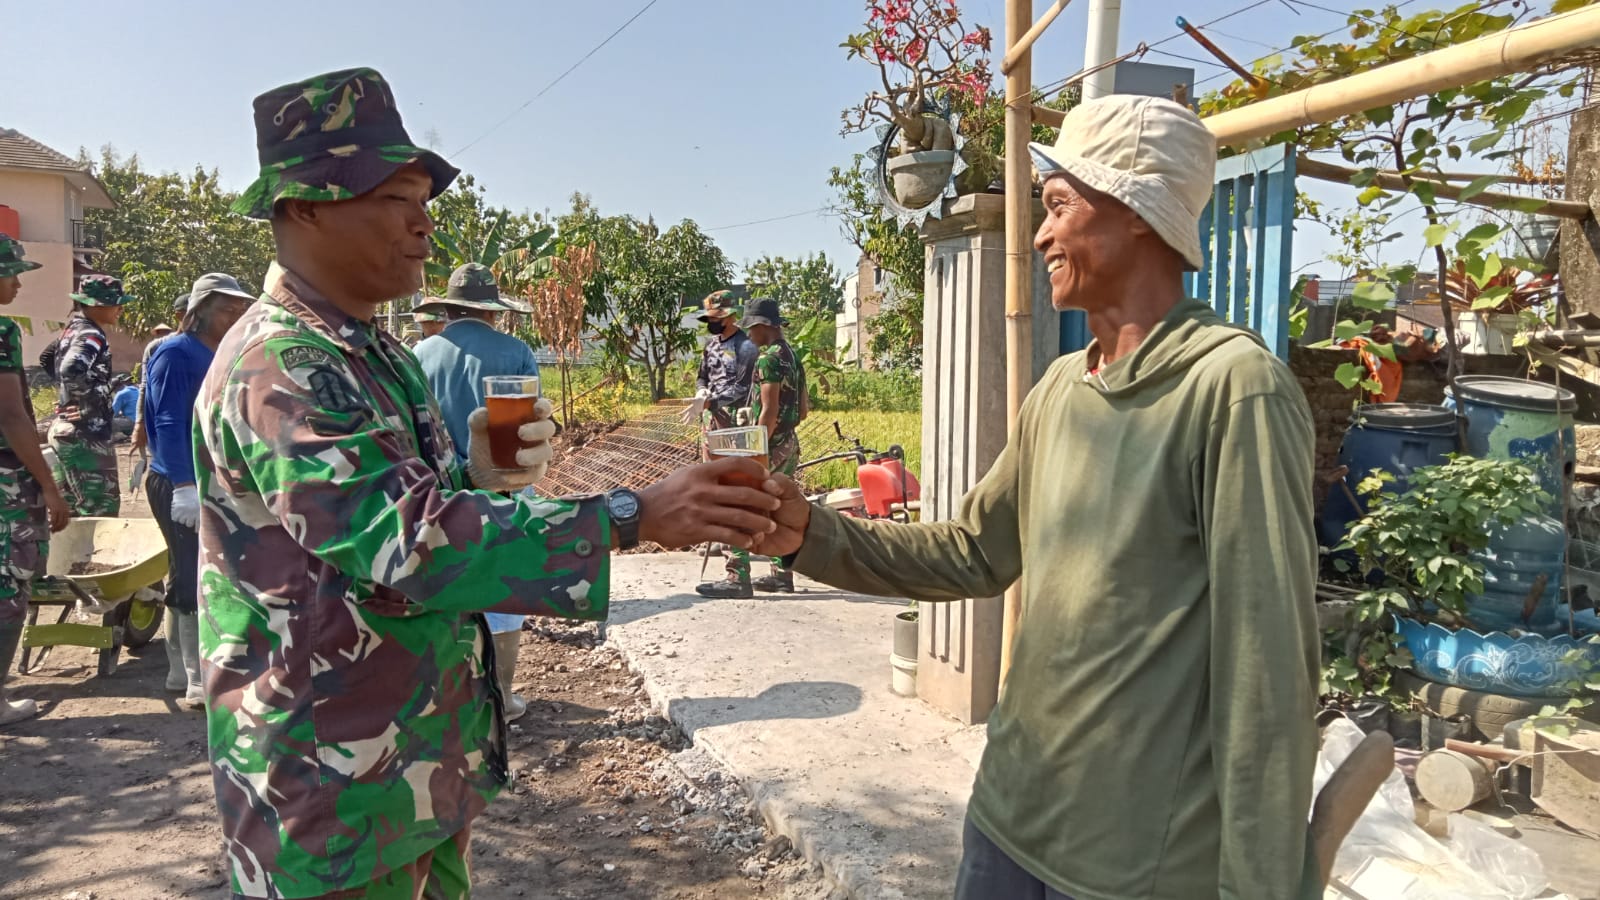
x,y
726,368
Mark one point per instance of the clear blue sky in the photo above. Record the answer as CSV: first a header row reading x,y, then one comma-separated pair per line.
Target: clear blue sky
x,y
723,111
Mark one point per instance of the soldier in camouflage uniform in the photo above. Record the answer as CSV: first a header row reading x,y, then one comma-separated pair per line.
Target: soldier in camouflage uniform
x,y
346,556
777,400
80,360
429,321
30,502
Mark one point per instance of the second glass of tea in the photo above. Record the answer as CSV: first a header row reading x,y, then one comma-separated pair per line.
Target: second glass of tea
x,y
511,400
748,441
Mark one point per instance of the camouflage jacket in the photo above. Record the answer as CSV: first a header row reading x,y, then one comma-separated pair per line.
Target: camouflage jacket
x,y
353,722
778,365
81,361
11,367
726,368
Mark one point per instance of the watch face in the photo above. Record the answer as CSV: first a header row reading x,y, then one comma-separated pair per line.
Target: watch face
x,y
624,505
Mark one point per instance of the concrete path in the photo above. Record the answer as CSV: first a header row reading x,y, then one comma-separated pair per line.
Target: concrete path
x,y
792,695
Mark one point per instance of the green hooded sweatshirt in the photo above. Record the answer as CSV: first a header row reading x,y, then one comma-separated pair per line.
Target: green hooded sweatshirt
x,y
1155,738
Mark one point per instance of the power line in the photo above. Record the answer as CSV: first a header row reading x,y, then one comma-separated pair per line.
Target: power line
x,y
1057,85
1398,6
805,212
559,78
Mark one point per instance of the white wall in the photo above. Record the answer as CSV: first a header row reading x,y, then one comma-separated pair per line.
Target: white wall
x,y
40,199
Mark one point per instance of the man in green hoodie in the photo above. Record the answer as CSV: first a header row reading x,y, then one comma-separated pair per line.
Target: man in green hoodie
x,y
1154,740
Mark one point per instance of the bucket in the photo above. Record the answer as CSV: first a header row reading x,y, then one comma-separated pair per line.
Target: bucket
x,y
1393,437
1512,418
903,675
1512,563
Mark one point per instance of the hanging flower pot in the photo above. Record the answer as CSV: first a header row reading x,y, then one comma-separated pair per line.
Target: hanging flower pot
x,y
921,176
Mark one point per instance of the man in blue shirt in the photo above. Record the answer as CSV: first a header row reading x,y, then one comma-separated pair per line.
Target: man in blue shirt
x,y
124,405
455,362
172,381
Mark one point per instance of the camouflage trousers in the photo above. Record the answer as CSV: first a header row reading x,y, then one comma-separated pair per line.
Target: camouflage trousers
x,y
24,538
783,454
443,873
87,473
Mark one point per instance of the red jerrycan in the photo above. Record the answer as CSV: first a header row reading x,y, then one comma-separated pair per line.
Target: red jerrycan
x,y
885,481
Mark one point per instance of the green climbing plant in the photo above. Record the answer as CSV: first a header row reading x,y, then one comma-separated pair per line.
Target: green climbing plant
x,y
1415,557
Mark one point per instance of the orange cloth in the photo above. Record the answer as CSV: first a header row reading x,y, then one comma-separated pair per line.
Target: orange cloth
x,y
1385,372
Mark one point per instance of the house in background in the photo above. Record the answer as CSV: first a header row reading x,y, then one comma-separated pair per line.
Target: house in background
x,y
43,195
864,294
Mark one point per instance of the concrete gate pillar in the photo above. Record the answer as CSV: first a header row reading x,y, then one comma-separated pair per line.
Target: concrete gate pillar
x,y
1580,241
964,426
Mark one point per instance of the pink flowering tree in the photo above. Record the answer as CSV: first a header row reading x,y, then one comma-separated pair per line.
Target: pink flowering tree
x,y
923,53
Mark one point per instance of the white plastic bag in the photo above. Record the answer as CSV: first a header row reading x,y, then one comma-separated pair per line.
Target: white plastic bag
x,y
1387,855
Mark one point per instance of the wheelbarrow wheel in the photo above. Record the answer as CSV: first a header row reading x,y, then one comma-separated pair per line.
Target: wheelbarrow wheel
x,y
140,620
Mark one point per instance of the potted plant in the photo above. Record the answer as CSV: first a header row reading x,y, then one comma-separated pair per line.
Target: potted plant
x,y
903,662
927,60
1494,300
1419,559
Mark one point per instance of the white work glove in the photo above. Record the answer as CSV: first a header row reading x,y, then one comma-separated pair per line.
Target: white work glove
x,y
186,506
534,460
697,405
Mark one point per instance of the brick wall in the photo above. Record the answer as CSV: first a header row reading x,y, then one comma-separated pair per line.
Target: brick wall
x,y
1331,403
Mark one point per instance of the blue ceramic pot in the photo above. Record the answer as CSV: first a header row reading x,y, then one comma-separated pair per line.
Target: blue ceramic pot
x,y
1528,666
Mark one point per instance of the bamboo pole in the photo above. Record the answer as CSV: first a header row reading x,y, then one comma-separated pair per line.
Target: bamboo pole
x,y
1019,262
1517,49
1206,45
1025,43
1565,209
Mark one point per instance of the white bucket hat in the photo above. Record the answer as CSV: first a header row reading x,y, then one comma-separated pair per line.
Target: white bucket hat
x,y
1153,155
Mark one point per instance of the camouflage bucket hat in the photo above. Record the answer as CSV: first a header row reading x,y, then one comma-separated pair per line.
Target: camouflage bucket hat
x,y
473,286
423,314
331,137
11,261
100,290
720,305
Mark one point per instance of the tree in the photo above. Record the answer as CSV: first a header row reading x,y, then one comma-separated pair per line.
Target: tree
x,y
169,229
558,310
897,330
810,292
1413,139
468,230
651,277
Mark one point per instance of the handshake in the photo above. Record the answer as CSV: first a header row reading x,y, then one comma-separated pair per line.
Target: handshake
x,y
733,500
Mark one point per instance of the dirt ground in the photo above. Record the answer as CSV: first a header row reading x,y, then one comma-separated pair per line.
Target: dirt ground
x,y
107,795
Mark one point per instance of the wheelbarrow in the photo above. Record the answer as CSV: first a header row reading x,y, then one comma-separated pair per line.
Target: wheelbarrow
x,y
102,567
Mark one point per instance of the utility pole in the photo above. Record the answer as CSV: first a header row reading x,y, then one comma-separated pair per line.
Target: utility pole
x,y
1104,19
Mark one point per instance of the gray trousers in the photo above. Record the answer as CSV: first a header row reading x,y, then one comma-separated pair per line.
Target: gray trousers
x,y
987,873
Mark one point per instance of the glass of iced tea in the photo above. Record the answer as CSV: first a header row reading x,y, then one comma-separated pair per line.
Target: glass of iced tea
x,y
749,441
510,400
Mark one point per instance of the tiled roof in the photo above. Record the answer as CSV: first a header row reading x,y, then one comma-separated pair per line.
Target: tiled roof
x,y
18,151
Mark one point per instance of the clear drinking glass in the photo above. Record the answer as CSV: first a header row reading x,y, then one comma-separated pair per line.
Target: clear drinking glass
x,y
510,400
748,441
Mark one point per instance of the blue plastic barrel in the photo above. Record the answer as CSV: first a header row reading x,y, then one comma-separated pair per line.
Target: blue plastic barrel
x,y
1393,437
1513,418
1517,555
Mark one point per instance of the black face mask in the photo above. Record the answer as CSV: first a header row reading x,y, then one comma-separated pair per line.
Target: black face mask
x,y
713,327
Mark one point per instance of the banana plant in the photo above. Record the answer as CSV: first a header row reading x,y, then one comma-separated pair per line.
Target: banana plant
x,y
517,261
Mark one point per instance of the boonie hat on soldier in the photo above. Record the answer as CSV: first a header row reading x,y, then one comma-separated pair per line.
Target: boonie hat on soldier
x,y
100,290
720,305
332,137
11,261
427,315
763,311
1152,155
215,283
473,286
